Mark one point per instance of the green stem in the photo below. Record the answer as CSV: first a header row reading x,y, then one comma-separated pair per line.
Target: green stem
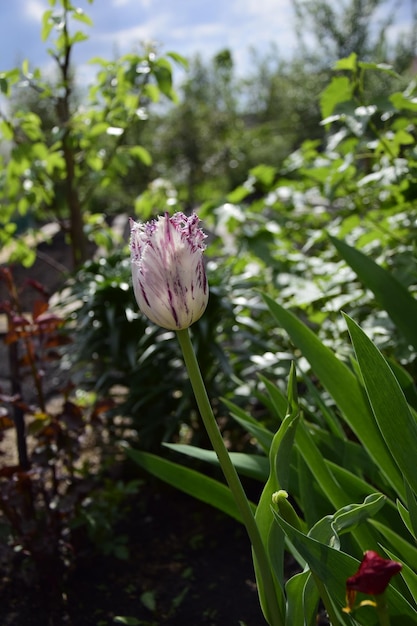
x,y
273,613
382,610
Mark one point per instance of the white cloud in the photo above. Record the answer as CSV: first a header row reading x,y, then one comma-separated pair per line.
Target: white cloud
x,y
34,10
143,3
266,8
125,38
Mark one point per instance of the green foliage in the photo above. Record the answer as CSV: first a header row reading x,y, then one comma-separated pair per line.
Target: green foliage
x,y
326,228
354,26
327,548
117,351
67,159
359,186
333,230
193,483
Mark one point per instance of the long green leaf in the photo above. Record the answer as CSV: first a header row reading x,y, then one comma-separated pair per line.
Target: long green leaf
x,y
389,292
403,547
302,600
345,389
321,472
407,574
330,487
412,509
405,381
251,465
278,399
390,408
261,434
189,481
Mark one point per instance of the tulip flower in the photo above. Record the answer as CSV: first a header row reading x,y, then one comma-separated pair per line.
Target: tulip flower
x,y
373,575
372,578
169,278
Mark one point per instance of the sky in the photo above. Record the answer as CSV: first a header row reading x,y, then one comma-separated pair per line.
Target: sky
x,y
183,26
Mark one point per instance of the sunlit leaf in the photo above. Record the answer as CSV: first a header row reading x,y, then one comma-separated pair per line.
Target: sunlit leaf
x,y
80,16
344,387
392,296
390,408
339,90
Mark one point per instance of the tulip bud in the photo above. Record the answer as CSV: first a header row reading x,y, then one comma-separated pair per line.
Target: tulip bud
x,y
374,574
169,279
372,577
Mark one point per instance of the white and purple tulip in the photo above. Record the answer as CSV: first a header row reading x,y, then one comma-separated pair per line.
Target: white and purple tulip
x,y
169,279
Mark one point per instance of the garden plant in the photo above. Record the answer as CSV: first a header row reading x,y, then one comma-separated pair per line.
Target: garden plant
x,y
265,338
337,512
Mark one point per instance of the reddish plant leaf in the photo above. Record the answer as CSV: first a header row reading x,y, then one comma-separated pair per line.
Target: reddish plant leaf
x,y
39,307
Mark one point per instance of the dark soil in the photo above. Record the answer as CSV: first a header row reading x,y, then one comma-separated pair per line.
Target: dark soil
x,y
188,565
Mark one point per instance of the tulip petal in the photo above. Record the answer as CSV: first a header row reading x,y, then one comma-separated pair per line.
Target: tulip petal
x,y
169,278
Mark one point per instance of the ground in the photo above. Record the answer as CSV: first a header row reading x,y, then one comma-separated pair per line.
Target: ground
x,y
188,565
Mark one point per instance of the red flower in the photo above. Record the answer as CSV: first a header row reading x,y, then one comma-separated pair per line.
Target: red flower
x,y
373,575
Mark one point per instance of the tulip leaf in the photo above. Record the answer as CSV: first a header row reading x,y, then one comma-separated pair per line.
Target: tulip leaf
x,y
321,472
405,516
304,612
406,382
262,435
347,518
390,408
251,465
329,528
329,565
389,292
412,509
402,546
278,399
189,481
407,574
345,389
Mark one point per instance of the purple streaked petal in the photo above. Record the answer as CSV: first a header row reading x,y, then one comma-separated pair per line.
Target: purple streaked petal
x,y
169,278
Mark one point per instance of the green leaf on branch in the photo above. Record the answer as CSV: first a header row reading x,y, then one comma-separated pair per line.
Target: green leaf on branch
x,y
78,37
403,102
349,63
379,67
80,16
340,90
47,25
140,153
163,75
178,58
